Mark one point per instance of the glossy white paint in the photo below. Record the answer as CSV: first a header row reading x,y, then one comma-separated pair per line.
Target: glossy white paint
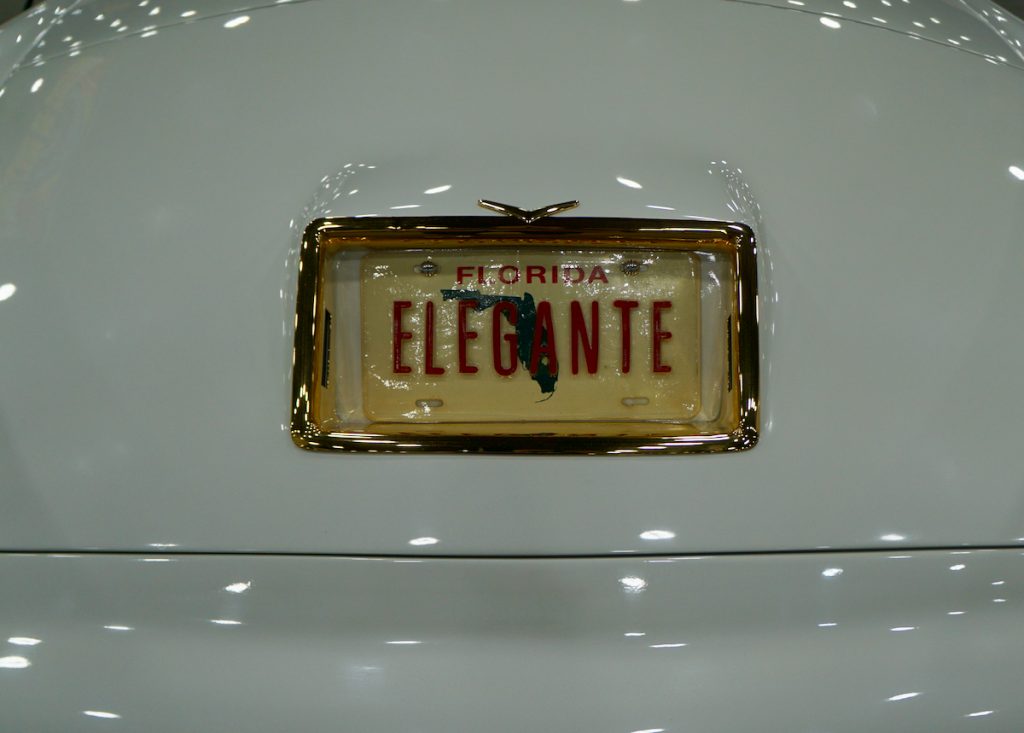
x,y
833,642
79,25
153,187
21,36
976,26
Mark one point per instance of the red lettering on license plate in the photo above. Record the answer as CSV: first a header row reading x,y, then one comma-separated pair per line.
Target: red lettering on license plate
x,y
521,331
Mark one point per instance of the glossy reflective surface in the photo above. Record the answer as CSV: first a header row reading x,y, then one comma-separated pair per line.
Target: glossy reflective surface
x,y
975,26
775,644
153,190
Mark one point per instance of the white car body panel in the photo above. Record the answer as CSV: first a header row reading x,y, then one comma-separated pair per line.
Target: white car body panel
x,y
153,199
925,641
171,561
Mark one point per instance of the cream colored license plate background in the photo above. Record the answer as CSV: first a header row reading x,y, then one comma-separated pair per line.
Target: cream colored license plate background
x,y
486,396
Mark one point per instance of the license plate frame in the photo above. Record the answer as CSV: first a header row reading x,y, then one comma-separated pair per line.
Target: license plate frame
x,y
315,424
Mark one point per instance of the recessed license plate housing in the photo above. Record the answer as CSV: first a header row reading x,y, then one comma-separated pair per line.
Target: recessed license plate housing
x,y
340,380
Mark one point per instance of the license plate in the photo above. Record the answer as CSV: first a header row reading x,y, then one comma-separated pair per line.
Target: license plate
x,y
575,336
525,335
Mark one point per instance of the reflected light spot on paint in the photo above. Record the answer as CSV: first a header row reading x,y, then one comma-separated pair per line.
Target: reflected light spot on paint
x,y
903,696
633,584
14,663
235,22
628,182
23,641
1017,172
657,534
423,541
101,714
830,23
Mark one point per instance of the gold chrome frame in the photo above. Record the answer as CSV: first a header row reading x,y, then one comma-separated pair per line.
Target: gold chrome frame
x,y
322,236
